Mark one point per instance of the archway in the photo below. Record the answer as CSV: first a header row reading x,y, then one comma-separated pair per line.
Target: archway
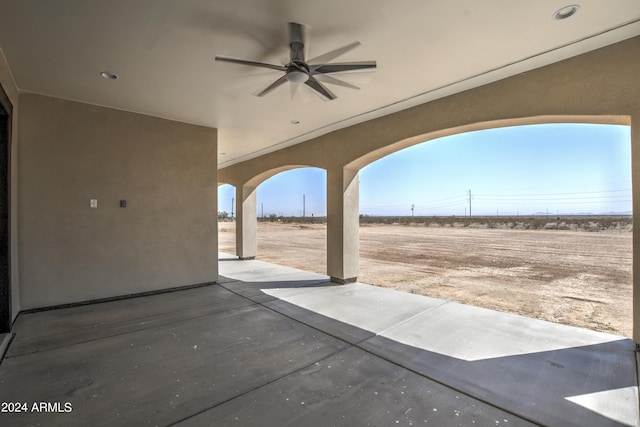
x,y
291,214
247,211
511,255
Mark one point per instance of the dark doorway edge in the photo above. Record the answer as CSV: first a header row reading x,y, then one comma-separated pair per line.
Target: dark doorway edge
x,y
6,111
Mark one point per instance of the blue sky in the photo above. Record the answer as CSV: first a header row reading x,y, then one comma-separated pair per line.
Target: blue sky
x,y
524,170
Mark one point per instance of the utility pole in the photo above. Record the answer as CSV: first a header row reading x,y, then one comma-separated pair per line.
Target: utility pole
x,y
304,203
262,204
469,203
232,201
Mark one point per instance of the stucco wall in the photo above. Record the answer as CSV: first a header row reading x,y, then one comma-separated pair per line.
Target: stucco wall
x,y
11,90
166,236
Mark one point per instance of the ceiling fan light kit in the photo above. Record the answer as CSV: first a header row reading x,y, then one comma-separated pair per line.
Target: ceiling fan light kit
x,y
298,71
297,76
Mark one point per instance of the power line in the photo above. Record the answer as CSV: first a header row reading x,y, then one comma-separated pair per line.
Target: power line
x,y
557,194
436,202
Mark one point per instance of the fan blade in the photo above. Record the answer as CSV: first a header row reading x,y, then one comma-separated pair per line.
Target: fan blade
x,y
334,53
320,88
332,80
339,68
296,41
273,85
302,95
251,63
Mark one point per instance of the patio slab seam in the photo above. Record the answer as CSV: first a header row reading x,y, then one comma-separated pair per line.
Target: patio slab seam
x,y
146,316
158,325
410,318
258,387
296,320
373,354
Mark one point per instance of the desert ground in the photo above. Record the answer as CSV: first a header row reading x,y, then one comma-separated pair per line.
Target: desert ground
x,y
577,278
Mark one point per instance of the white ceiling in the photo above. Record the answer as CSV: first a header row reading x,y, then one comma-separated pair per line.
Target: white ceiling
x,y
163,52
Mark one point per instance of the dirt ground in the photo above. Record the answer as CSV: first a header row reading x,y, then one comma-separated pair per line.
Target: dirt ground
x,y
571,277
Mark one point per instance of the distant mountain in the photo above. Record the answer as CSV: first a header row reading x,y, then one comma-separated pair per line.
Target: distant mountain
x,y
630,213
625,213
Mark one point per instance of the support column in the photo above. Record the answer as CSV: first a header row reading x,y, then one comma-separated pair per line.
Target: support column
x,y
246,222
635,185
343,221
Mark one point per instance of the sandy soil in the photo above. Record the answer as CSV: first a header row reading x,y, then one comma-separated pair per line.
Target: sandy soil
x,y
576,278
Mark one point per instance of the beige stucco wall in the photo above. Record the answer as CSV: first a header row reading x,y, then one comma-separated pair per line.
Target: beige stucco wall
x,y
71,152
9,86
601,86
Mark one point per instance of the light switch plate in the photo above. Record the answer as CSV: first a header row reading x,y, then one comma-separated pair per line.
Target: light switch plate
x,y
94,203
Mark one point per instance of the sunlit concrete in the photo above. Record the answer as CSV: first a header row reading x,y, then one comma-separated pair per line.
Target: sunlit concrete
x,y
270,345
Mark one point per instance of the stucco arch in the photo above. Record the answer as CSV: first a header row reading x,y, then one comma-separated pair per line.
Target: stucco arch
x,y
393,147
246,183
253,177
263,176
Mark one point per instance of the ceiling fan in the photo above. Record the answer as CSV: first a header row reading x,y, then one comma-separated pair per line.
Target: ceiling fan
x,y
300,71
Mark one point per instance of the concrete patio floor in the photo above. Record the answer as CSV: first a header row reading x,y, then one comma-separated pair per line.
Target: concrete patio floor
x,y
274,346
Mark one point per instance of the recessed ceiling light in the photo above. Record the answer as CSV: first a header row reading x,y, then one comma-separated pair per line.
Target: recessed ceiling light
x,y
566,12
295,122
109,75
